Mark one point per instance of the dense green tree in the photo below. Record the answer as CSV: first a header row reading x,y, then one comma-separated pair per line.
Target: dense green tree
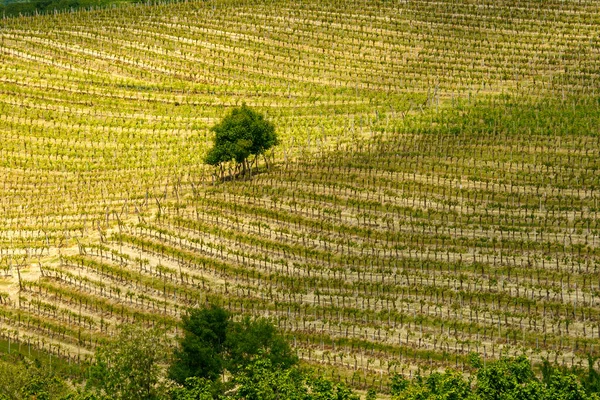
x,y
130,366
201,349
213,342
503,376
248,337
566,386
243,132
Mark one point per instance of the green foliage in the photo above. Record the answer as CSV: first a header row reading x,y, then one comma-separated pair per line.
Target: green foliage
x,y
83,395
371,395
475,360
565,386
243,132
13,377
27,372
505,379
591,379
398,384
129,367
449,385
201,350
249,337
194,389
262,380
324,389
212,342
26,379
505,376
588,376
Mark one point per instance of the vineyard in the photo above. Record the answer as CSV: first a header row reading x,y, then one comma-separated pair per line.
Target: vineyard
x,y
436,190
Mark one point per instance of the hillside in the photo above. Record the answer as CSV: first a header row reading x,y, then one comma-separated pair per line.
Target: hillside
x,y
435,193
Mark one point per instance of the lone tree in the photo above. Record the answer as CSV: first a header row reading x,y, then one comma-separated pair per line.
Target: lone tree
x,y
243,132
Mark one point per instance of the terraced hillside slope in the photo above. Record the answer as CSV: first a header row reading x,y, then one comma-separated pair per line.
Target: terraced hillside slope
x,y
435,193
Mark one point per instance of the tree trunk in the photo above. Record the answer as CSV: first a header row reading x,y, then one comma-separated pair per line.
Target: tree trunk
x,y
248,167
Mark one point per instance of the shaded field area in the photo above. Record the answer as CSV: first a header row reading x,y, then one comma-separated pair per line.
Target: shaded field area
x,y
15,8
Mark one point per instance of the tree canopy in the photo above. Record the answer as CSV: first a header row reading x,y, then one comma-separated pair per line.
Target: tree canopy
x,y
129,367
241,133
248,337
201,349
212,342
